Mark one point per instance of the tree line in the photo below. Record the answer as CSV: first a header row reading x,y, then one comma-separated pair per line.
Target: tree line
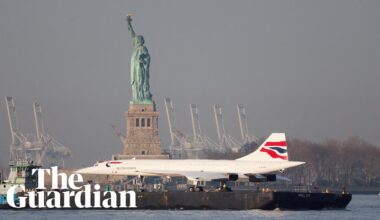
x,y
349,163
352,163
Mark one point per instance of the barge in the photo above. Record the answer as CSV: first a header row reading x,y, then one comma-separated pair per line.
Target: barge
x,y
236,200
242,200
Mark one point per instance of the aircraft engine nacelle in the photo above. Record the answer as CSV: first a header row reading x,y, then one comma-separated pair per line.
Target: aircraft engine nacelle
x,y
267,178
233,177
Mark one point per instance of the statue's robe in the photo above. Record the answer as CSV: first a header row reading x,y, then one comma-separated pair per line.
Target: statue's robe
x,y
140,62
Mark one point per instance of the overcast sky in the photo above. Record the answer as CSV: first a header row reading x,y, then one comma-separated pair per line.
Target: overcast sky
x,y
307,68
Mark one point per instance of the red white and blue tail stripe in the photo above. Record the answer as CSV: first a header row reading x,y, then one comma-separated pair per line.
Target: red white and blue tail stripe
x,y
273,148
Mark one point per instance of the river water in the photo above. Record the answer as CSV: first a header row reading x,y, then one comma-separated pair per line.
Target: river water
x,y
361,207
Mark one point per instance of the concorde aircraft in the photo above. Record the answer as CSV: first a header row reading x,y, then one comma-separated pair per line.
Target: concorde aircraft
x,y
258,166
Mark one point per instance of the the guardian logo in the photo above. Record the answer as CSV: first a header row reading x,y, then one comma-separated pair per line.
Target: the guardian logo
x,y
55,199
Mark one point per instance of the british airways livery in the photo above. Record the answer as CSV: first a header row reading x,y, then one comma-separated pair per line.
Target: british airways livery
x,y
258,166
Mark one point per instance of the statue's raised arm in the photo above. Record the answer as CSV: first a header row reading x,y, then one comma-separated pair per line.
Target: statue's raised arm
x,y
130,28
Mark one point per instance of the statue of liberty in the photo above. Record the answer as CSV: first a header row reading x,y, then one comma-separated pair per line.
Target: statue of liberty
x,y
140,61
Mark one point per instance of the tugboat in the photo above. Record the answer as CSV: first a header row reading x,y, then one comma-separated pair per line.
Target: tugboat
x,y
20,173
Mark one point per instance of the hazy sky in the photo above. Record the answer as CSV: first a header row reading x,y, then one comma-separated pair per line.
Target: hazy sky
x,y
308,68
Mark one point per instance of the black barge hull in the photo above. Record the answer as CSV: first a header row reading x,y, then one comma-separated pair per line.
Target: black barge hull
x,y
310,201
242,200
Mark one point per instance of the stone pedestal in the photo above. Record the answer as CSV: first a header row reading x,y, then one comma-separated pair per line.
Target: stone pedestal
x,y
142,131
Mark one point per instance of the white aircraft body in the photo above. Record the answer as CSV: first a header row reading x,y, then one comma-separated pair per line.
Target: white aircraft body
x,y
270,157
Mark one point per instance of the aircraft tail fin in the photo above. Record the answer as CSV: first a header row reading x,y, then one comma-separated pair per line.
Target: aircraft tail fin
x,y
274,148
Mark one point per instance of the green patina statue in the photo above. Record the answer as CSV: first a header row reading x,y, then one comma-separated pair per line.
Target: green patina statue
x,y
140,61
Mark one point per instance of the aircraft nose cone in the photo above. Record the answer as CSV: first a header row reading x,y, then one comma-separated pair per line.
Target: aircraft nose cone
x,y
84,171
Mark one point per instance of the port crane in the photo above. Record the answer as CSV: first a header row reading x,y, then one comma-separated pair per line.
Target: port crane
x,y
226,141
41,148
245,136
201,142
118,133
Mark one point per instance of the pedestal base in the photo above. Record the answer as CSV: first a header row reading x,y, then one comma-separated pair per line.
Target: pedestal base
x,y
142,130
